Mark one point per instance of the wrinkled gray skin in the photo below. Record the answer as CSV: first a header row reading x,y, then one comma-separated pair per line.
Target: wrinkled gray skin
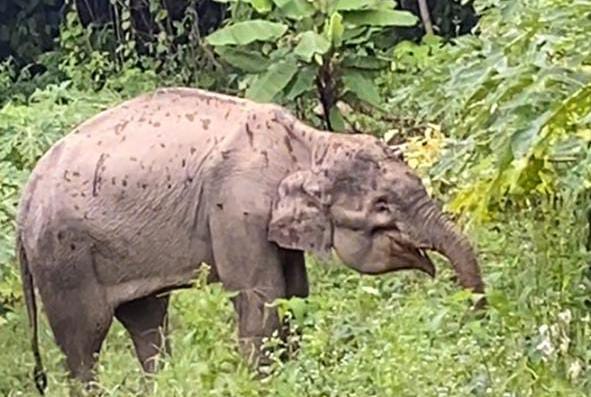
x,y
133,201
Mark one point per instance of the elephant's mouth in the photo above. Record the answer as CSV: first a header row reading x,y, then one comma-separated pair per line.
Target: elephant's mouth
x,y
425,263
411,256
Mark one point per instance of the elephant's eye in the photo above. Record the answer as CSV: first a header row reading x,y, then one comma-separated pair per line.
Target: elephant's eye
x,y
381,205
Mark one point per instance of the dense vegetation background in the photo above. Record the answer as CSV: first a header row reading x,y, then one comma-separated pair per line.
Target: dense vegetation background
x,y
493,109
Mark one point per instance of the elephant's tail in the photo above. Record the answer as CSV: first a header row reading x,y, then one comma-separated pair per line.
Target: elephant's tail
x,y
29,293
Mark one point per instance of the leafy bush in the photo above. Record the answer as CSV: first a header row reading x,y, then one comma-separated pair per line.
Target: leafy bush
x,y
516,102
27,28
89,55
287,50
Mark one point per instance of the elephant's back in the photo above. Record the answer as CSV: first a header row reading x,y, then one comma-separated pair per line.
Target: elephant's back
x,y
134,166
161,117
159,127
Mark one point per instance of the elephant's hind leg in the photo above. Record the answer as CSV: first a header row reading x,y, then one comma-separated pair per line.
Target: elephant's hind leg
x,y
80,319
146,321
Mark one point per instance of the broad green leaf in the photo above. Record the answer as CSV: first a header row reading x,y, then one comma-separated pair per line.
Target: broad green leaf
x,y
249,61
304,82
311,43
280,53
242,33
337,122
296,9
271,83
363,87
354,5
298,307
352,33
335,29
365,62
432,40
262,6
380,18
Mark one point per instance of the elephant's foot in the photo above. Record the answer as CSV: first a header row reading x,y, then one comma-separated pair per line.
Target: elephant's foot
x,y
78,388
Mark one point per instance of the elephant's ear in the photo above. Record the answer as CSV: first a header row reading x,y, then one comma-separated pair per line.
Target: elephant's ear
x,y
299,220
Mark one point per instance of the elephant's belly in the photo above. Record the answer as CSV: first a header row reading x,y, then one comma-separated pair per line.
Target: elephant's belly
x,y
145,286
146,268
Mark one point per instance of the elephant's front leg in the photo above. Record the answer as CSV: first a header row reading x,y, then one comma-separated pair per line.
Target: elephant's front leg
x,y
296,286
256,321
251,266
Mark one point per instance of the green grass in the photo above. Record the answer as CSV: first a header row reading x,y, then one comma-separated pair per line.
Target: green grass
x,y
396,335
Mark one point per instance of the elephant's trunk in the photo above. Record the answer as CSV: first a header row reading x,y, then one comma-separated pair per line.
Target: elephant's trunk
x,y
442,236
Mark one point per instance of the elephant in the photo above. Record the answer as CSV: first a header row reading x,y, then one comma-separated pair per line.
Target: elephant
x,y
132,203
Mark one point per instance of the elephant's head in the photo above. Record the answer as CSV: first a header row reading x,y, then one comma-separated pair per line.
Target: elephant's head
x,y
359,198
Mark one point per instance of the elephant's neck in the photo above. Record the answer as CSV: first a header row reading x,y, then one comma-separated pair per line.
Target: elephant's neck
x,y
309,142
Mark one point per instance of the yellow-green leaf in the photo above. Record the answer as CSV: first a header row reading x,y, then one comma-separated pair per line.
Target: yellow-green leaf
x,y
295,9
262,6
311,43
336,29
246,32
380,18
271,83
363,87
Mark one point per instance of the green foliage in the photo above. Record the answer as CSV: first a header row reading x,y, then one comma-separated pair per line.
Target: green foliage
x,y
516,102
302,50
27,28
19,83
246,32
89,56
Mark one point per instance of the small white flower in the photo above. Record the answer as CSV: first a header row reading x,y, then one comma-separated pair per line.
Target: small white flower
x,y
564,343
574,370
565,316
554,330
543,330
545,347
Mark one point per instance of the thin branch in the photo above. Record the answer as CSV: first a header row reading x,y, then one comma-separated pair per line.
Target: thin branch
x,y
91,12
325,86
117,26
425,17
195,34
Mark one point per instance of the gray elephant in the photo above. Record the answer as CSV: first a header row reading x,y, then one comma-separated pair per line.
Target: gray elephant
x,y
128,207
